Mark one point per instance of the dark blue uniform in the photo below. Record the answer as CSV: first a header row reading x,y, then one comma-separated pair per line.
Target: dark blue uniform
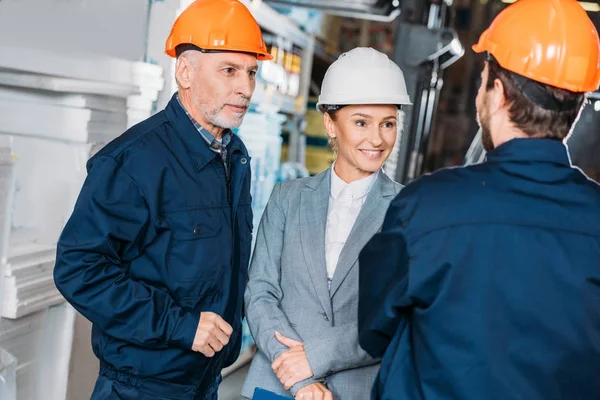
x,y
159,234
485,282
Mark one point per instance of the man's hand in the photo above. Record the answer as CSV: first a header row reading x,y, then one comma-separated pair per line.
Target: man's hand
x,y
212,334
316,391
292,366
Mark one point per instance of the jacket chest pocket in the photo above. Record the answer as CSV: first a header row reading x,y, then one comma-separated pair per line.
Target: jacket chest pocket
x,y
198,238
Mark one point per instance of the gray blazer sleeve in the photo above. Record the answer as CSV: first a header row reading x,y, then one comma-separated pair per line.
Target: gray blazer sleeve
x,y
337,350
263,292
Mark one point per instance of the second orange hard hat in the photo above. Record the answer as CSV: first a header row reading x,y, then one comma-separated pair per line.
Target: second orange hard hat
x,y
549,41
218,25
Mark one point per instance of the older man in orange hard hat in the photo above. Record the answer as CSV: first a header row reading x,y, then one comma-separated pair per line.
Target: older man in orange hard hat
x,y
156,252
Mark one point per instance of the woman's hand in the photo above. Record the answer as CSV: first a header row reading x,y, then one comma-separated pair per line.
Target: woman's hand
x,y
316,391
292,366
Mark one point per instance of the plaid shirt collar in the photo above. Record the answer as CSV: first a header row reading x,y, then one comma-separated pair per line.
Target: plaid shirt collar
x,y
214,144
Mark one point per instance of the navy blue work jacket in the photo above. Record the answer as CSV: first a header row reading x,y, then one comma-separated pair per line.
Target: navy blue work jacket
x,y
485,282
157,236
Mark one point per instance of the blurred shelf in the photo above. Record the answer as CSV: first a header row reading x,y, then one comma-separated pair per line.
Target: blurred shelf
x,y
287,104
276,23
322,54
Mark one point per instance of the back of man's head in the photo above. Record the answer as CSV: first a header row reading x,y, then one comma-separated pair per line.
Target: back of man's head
x,y
546,53
534,108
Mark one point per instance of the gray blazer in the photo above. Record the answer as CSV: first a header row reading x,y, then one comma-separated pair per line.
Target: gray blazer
x,y
287,289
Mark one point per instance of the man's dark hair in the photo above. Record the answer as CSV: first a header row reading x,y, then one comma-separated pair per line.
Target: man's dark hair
x,y
553,121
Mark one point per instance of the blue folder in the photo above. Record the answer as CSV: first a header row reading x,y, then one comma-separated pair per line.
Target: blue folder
x,y
262,394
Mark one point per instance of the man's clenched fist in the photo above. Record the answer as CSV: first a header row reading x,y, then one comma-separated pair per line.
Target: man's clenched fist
x,y
212,335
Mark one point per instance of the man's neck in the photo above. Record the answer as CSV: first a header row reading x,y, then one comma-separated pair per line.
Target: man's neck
x,y
509,132
188,104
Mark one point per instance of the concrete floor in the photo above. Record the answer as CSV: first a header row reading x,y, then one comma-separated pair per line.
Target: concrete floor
x,y
231,387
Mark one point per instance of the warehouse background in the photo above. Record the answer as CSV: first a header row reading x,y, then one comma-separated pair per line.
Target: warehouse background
x,y
74,74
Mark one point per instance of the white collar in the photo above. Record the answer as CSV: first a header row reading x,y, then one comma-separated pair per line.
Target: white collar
x,y
359,188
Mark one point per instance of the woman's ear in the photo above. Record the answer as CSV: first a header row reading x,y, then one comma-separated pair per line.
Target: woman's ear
x,y
329,126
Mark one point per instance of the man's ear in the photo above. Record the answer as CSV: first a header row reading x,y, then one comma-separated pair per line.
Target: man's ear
x,y
497,97
184,71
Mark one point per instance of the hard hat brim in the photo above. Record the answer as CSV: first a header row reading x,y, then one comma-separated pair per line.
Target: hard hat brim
x,y
398,101
260,56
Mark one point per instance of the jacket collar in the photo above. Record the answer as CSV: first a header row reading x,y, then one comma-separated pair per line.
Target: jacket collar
x,y
531,150
383,183
196,146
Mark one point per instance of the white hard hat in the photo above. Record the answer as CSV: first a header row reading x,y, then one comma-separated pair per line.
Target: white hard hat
x,y
363,76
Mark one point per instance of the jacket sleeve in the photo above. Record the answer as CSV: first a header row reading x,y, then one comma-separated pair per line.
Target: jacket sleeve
x,y
109,227
383,282
263,292
337,350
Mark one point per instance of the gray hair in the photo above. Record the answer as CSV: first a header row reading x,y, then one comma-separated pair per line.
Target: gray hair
x,y
193,56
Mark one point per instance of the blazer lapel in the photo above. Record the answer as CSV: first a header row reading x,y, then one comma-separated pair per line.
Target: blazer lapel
x,y
314,202
367,224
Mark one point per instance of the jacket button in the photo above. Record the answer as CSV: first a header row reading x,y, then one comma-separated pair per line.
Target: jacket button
x,y
243,161
196,231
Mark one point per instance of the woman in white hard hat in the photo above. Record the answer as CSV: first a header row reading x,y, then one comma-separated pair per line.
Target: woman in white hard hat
x,y
302,295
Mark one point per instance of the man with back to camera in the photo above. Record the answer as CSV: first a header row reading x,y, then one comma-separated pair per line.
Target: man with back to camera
x,y
485,280
156,251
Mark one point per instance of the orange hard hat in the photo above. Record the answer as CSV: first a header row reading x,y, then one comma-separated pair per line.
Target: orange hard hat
x,y
549,41
218,25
